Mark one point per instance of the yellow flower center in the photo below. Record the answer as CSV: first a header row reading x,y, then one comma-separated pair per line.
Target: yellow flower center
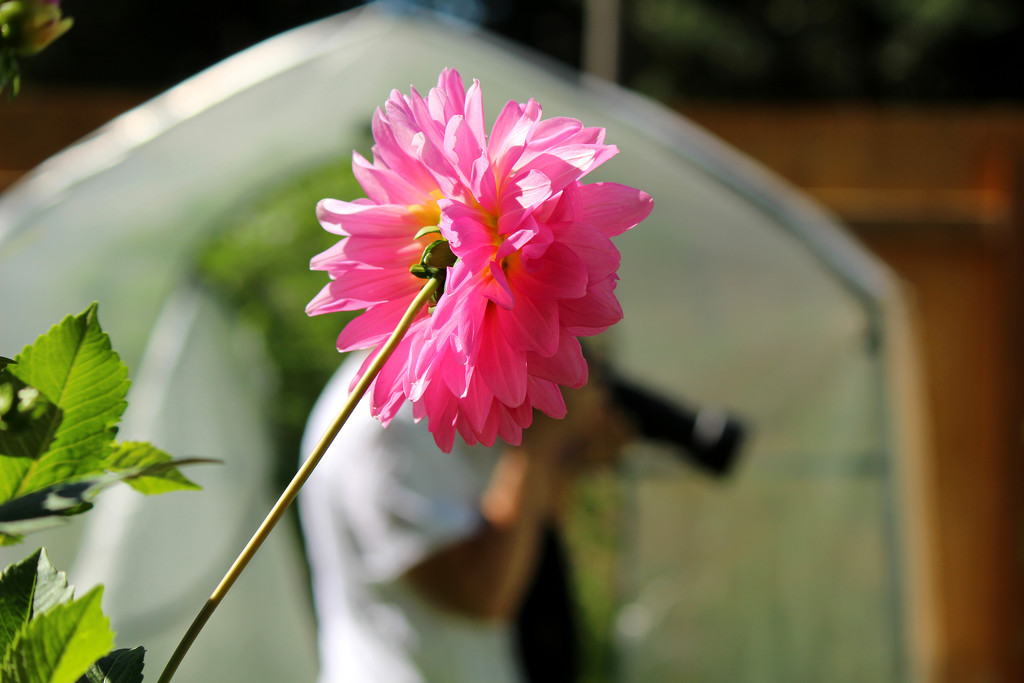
x,y
428,213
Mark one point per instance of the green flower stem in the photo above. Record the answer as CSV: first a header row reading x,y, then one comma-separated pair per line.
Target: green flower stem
x,y
292,490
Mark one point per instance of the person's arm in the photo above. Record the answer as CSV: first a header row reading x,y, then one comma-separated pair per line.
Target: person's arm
x,y
486,575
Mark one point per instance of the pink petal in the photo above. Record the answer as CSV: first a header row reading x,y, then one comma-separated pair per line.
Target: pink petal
x,y
484,186
466,430
500,366
362,286
463,148
382,185
522,414
363,368
444,435
442,412
474,108
562,208
387,394
592,314
441,168
440,335
599,255
561,274
508,135
530,238
450,84
566,366
508,429
489,432
565,164
546,397
469,237
459,315
531,325
613,208
432,129
512,421
374,326
522,197
553,131
394,154
531,189
403,124
328,301
477,404
384,252
363,218
496,288
455,374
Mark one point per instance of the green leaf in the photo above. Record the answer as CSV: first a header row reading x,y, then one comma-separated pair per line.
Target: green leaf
x,y
27,419
16,588
28,589
75,368
120,666
427,230
10,538
155,471
60,402
51,587
60,645
44,637
142,466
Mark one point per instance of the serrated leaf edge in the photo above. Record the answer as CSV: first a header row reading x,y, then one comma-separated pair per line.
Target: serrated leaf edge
x,y
94,595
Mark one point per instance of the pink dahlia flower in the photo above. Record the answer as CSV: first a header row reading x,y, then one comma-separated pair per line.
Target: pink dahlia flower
x,y
532,267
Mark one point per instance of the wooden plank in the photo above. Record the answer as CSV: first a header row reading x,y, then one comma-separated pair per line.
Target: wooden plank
x,y
867,146
40,123
938,195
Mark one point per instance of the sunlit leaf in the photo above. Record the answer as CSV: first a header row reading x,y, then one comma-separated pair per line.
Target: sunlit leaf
x,y
156,470
74,367
60,645
16,587
27,589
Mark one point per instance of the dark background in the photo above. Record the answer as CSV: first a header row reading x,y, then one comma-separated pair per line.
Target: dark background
x,y
738,50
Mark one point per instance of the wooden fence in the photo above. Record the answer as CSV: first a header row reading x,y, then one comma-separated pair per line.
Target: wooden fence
x,y
938,194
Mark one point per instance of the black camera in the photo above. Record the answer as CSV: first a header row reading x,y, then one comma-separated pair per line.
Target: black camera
x,y
708,437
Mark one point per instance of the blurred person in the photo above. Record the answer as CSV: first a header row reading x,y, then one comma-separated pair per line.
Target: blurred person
x,y
429,566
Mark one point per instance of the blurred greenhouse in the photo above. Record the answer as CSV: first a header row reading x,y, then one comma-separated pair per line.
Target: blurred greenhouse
x,y
738,292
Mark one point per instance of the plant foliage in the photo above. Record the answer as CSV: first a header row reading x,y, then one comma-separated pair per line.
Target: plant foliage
x,y
47,636
60,401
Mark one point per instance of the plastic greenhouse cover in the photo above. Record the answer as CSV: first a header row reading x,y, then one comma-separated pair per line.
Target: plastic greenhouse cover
x,y
737,292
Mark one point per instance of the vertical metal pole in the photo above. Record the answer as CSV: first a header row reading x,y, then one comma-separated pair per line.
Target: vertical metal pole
x,y
601,38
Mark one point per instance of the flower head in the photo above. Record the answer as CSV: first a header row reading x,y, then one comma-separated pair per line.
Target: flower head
x,y
529,264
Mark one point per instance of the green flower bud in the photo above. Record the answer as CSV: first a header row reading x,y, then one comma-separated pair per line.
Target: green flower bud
x,y
28,26
437,259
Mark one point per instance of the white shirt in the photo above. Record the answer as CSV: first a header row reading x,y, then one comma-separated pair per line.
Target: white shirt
x,y
381,501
